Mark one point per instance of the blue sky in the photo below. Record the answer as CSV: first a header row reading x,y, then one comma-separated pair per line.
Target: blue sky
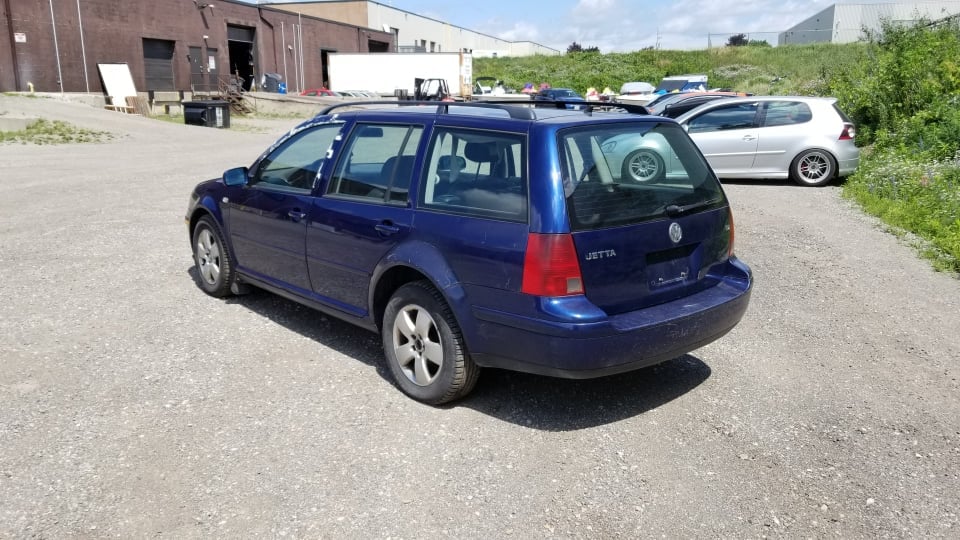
x,y
620,25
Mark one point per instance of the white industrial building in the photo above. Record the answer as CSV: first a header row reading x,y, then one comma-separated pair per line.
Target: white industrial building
x,y
413,32
845,23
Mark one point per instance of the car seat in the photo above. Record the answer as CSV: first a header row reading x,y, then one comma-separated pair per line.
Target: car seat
x,y
396,175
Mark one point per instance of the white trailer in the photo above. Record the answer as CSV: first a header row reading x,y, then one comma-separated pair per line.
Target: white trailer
x,y
386,73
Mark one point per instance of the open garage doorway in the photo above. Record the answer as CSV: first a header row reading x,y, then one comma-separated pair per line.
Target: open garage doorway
x,y
240,40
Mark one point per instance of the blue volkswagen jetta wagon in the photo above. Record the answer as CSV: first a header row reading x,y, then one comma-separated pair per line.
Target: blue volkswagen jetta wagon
x,y
477,235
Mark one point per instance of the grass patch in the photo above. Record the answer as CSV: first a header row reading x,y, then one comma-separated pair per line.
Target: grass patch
x,y
170,118
55,132
917,196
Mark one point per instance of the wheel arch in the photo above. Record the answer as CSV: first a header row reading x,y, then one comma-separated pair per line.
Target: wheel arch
x,y
413,261
206,206
817,147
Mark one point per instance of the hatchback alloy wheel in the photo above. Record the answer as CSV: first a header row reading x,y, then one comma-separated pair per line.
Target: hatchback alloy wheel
x,y
643,166
812,168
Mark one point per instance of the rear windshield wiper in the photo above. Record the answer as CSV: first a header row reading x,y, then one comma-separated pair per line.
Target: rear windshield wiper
x,y
674,210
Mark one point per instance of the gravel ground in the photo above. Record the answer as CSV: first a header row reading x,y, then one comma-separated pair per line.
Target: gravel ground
x,y
133,405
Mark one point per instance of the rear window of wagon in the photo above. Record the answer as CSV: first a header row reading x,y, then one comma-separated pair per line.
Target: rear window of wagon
x,y
629,173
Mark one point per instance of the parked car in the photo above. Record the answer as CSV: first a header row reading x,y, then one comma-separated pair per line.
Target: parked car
x,y
683,83
484,85
807,139
676,104
640,93
756,137
319,92
359,94
560,94
473,234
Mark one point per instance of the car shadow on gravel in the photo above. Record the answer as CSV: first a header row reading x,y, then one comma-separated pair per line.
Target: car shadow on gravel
x,y
552,404
331,332
533,401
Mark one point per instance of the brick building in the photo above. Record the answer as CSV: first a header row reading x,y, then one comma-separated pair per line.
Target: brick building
x,y
169,45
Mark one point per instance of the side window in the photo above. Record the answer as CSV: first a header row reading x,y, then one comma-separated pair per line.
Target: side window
x,y
377,162
786,113
476,173
294,164
737,116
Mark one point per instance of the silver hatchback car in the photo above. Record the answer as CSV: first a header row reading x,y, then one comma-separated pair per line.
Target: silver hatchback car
x,y
806,139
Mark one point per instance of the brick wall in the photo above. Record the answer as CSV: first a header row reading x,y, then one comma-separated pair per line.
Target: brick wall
x,y
113,31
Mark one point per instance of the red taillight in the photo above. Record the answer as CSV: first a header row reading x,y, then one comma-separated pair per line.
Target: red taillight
x,y
849,132
732,235
550,267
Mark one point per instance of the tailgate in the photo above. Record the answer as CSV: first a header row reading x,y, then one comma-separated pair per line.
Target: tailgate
x,y
634,266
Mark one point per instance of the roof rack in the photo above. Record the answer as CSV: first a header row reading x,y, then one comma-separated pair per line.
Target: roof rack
x,y
521,110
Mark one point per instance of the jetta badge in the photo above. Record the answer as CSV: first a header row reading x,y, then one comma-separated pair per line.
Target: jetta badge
x,y
676,233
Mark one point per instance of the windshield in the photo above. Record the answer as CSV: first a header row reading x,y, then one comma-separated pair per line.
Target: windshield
x,y
629,173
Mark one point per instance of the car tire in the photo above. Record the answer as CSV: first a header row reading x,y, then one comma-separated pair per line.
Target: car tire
x,y
214,263
643,166
424,347
813,168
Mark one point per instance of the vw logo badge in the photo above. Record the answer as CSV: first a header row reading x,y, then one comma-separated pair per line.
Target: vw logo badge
x,y
676,233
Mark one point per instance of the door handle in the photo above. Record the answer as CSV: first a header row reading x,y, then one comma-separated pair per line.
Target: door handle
x,y
749,138
387,228
296,215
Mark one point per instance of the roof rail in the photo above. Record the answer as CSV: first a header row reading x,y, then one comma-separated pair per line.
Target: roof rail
x,y
586,107
521,110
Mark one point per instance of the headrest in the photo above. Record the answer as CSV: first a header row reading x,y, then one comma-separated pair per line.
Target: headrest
x,y
481,152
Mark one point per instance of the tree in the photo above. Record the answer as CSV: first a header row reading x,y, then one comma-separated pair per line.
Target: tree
x,y
576,48
738,40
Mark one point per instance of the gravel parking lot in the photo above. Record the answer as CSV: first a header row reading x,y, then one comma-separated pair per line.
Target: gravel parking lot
x,y
133,405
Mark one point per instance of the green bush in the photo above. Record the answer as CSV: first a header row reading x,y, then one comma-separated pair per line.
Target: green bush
x,y
904,98
906,70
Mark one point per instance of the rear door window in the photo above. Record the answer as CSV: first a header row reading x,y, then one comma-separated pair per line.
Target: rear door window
x,y
377,163
623,174
477,173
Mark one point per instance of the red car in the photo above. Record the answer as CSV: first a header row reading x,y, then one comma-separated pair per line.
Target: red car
x,y
319,92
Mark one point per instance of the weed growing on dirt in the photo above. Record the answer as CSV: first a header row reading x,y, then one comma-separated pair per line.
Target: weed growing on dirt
x,y
55,132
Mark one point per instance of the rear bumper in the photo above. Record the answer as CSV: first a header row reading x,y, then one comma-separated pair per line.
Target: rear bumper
x,y
848,159
848,166
625,342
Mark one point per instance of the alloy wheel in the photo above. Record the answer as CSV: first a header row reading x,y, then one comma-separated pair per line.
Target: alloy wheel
x,y
416,343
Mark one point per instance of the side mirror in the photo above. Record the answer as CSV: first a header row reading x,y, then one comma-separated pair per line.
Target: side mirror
x,y
235,177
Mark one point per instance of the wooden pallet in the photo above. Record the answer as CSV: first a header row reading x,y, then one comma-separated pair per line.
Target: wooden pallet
x,y
139,105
